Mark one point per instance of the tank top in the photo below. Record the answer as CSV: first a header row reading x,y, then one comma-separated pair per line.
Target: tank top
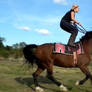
x,y
67,16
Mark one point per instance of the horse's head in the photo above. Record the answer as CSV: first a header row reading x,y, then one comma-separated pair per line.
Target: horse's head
x,y
87,40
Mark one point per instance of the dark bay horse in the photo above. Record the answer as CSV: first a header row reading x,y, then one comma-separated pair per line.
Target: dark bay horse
x,y
45,59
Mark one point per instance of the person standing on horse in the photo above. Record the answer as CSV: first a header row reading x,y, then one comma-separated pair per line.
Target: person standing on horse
x,y
68,23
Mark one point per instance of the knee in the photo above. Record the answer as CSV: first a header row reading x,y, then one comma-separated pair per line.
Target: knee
x,y
74,33
61,26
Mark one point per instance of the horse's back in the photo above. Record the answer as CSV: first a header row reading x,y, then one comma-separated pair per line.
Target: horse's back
x,y
44,50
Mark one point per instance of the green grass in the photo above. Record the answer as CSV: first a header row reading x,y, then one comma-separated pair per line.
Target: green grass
x,y
14,77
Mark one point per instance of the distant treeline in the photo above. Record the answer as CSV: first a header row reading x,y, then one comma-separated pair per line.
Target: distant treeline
x,y
14,51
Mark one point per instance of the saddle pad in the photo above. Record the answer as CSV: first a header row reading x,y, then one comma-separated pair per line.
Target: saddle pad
x,y
64,49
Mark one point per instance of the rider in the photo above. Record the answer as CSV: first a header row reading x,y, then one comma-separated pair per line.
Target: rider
x,y
68,23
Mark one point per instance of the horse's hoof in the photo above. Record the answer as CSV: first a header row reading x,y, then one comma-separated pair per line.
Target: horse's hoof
x,y
77,83
38,89
63,88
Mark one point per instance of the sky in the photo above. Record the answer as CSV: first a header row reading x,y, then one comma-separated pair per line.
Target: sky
x,y
38,21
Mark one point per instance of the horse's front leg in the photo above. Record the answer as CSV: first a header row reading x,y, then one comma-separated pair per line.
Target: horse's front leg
x,y
85,70
90,78
81,82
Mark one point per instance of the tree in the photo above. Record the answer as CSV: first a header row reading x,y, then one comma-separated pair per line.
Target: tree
x,y
1,42
19,45
16,46
22,45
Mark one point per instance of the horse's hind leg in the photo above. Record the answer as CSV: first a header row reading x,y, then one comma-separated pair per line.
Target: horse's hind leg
x,y
50,77
35,75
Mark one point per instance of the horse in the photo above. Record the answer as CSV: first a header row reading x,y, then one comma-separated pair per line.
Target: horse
x,y
45,59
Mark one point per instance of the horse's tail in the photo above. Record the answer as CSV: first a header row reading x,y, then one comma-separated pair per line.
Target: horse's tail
x,y
29,54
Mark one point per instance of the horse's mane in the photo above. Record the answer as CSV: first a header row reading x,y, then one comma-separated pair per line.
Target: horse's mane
x,y
87,36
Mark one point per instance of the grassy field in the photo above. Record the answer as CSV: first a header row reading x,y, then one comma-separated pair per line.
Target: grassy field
x,y
14,77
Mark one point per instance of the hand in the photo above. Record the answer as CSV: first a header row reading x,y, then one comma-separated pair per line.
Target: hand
x,y
79,24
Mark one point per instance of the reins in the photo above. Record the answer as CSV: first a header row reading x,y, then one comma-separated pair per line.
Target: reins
x,y
82,29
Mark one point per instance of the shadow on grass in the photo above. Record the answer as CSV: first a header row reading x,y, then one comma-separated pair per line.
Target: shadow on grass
x,y
26,81
29,81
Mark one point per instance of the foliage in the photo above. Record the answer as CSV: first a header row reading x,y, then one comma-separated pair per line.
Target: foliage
x,y
14,51
1,42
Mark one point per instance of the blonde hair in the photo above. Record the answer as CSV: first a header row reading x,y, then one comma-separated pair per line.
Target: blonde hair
x,y
74,6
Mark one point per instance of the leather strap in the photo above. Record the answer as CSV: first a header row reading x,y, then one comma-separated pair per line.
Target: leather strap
x,y
75,57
